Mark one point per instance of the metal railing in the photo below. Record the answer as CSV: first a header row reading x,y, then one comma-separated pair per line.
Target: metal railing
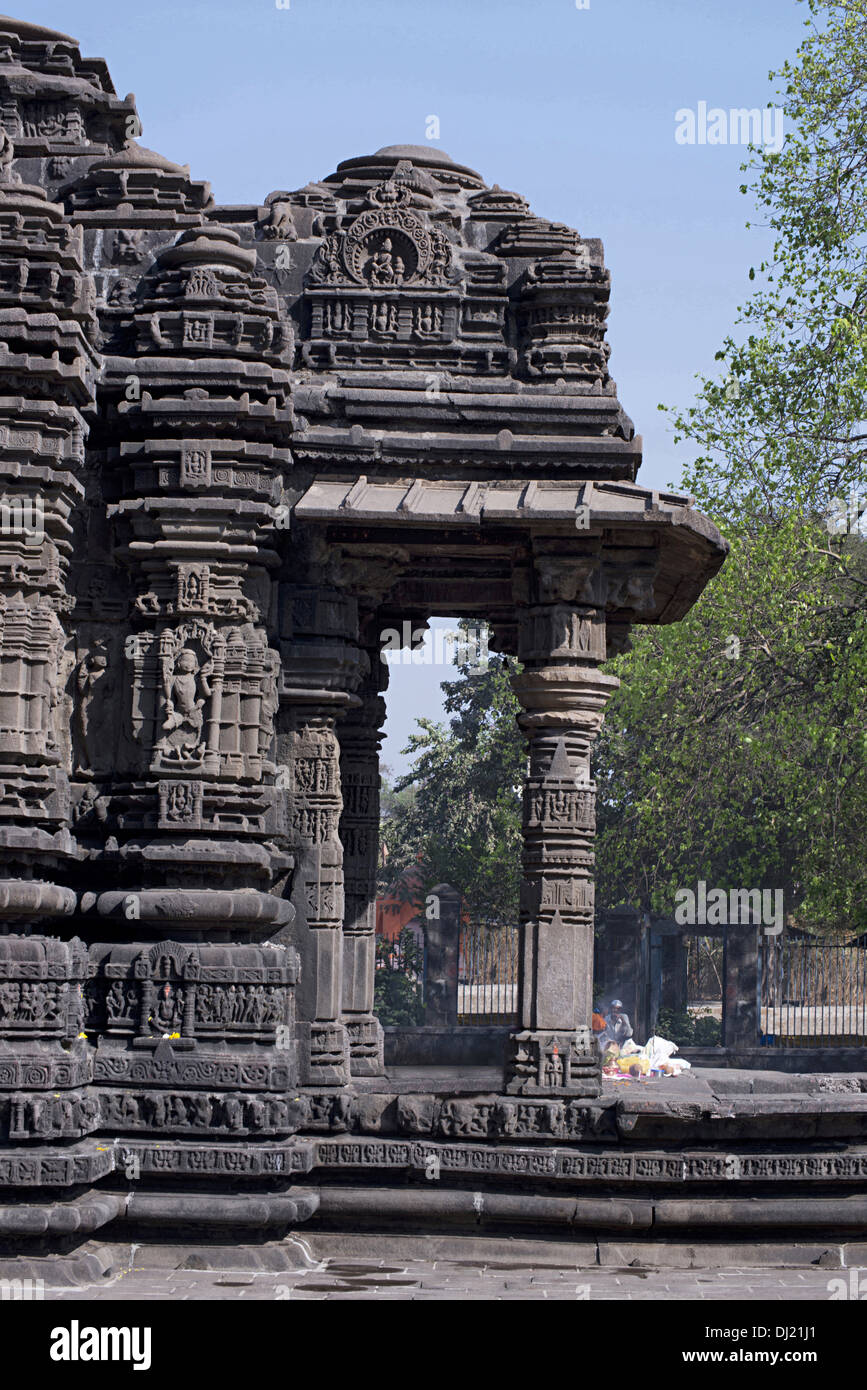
x,y
488,974
812,993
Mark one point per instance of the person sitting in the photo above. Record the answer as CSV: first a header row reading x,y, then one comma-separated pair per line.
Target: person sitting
x,y
618,1029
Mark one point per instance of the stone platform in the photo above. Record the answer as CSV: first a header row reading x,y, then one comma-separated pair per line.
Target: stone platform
x,y
455,1270
710,1153
699,1169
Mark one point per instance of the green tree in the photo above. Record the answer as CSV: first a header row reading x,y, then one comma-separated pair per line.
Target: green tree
x,y
785,429
750,770
397,988
462,823
734,750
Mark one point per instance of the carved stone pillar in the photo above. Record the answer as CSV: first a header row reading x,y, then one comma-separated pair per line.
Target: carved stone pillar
x,y
315,815
563,696
360,734
322,665
48,366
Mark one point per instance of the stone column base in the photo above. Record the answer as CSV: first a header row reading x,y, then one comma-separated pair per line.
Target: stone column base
x,y
366,1045
547,1063
324,1054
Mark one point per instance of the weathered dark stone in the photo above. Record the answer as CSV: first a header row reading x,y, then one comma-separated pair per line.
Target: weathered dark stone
x,y
470,1045
238,445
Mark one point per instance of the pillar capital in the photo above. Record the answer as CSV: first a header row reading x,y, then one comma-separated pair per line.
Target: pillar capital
x,y
563,697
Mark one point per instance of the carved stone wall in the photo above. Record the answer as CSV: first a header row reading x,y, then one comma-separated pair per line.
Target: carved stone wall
x,y
236,445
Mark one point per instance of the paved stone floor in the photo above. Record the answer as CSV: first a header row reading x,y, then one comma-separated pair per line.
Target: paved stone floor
x,y
418,1280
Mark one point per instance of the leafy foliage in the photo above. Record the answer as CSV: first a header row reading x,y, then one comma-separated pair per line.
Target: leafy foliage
x,y
744,770
749,770
677,1025
463,823
687,1029
786,429
397,986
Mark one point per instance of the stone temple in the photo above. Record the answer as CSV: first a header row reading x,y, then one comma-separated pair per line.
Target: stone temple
x,y
238,445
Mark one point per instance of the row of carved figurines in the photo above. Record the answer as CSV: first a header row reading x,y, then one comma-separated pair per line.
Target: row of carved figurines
x,y
214,1004
45,1115
30,1003
200,1111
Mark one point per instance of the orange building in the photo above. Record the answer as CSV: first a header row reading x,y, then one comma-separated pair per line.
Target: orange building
x,y
401,905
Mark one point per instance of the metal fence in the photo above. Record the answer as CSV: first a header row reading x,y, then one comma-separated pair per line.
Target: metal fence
x,y
812,993
488,974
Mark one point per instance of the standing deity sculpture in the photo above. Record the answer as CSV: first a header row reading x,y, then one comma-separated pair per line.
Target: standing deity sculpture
x,y
7,156
184,708
94,686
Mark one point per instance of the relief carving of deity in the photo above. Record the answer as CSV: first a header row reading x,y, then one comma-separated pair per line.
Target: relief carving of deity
x,y
386,266
94,686
168,1010
389,245
186,690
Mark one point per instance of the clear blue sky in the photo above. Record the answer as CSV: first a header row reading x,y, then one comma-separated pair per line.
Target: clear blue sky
x,y
572,107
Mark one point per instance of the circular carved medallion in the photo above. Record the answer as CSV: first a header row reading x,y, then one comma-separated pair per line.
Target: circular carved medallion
x,y
390,248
